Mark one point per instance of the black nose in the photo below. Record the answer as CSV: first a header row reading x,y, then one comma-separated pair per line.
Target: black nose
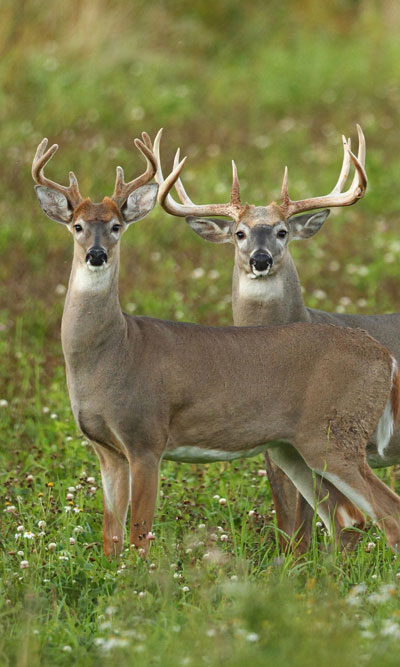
x,y
261,261
96,256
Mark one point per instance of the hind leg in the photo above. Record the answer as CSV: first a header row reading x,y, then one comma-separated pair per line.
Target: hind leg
x,y
348,471
294,516
331,505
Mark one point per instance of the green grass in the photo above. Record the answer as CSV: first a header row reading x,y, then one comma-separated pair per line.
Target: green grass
x,y
267,84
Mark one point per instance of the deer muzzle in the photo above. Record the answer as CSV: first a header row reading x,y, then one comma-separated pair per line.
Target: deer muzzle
x,y
96,256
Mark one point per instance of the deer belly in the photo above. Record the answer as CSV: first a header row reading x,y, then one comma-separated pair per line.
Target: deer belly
x,y
193,454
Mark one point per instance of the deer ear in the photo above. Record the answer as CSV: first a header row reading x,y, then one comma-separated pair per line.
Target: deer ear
x,y
305,226
54,204
139,203
212,229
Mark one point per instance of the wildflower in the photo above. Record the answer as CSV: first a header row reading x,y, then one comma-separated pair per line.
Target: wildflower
x,y
42,524
261,473
78,529
20,529
20,553
3,403
24,564
72,541
67,648
210,632
252,637
224,538
185,589
150,536
29,535
222,501
251,513
11,509
54,415
203,525
178,575
70,496
30,478
234,578
91,480
52,546
50,484
76,510
63,558
216,497
115,539
45,410
198,273
390,629
142,594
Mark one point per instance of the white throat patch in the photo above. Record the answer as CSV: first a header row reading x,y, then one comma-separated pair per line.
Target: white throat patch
x,y
88,278
267,289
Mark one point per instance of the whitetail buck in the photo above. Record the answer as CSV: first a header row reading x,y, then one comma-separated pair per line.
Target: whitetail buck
x,y
266,287
144,389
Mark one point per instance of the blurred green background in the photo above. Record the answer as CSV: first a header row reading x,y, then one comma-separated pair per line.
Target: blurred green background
x,y
264,83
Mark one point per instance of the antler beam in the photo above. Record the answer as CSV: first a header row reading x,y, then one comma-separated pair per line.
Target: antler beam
x,y
336,197
122,190
41,158
187,207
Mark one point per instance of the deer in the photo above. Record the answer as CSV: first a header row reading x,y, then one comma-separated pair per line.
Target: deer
x,y
266,287
144,389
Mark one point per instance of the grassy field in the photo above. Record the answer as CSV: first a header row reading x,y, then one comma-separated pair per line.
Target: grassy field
x,y
267,84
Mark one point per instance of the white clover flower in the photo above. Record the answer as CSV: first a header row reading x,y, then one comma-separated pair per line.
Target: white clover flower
x,y
20,553
11,509
222,501
185,589
197,273
142,595
24,564
224,537
20,529
42,524
72,541
3,403
78,529
252,637
52,546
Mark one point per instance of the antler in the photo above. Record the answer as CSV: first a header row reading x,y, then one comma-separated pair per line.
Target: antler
x,y
122,190
41,158
187,207
336,197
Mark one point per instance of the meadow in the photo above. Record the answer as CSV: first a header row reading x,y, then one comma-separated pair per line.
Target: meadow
x,y
265,83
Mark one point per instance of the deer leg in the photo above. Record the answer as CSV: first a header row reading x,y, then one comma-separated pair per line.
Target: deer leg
x,y
293,514
331,505
116,482
363,487
144,480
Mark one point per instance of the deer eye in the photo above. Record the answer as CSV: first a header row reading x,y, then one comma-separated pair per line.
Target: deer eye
x,y
78,228
240,235
282,233
115,228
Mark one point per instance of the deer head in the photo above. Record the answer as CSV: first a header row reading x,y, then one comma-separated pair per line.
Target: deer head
x,y
96,227
261,233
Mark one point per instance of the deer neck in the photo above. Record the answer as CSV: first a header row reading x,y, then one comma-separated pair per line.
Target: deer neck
x,y
271,300
92,313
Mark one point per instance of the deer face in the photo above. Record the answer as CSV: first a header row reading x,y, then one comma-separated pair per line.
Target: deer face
x,y
97,228
261,235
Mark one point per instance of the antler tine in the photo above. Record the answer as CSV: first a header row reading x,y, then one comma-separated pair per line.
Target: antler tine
x,y
187,207
42,157
336,197
344,173
122,190
235,192
183,196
